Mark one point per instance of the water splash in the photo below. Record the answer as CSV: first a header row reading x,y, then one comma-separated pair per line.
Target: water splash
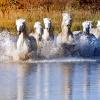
x,y
7,46
48,50
60,60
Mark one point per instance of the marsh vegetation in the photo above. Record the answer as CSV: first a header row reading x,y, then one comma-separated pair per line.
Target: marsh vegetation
x,y
34,10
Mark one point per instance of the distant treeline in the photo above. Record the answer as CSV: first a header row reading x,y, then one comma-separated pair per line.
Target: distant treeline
x,y
54,4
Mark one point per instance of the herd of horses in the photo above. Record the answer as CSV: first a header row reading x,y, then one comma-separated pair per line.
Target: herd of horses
x,y
43,41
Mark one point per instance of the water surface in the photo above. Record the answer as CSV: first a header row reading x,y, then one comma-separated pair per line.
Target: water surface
x,y
50,81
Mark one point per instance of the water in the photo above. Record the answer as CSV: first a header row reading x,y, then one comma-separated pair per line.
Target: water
x,y
50,81
85,47
55,78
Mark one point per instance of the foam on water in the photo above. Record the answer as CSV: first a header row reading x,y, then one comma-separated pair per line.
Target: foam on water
x,y
7,46
58,60
48,52
68,60
86,45
8,50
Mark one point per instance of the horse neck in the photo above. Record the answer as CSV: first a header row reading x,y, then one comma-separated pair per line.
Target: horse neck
x,y
49,33
37,33
23,36
21,40
66,31
46,32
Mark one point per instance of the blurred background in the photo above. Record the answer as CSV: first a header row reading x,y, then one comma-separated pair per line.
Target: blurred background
x,y
34,10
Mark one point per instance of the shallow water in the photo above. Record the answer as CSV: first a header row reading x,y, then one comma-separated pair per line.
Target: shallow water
x,y
50,81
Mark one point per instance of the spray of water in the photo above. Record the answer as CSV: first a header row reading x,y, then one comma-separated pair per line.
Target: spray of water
x,y
7,46
47,49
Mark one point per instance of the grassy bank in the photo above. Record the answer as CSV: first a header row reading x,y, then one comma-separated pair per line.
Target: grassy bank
x,y
9,15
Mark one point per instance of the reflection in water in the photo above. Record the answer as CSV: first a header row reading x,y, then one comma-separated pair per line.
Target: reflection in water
x,y
98,81
38,81
67,81
46,82
53,81
85,82
23,71
80,82
20,84
7,87
67,70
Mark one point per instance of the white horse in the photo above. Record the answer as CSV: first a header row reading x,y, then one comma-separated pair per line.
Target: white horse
x,y
25,44
96,31
66,35
86,41
48,31
47,45
38,32
65,39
